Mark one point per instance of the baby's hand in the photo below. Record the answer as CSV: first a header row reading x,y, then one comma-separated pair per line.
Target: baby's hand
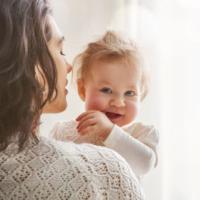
x,y
94,122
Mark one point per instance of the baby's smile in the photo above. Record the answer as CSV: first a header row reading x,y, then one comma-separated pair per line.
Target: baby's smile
x,y
113,116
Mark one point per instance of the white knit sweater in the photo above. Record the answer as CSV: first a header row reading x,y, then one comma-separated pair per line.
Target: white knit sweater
x,y
52,170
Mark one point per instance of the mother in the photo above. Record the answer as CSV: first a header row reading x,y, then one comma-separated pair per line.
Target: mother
x,y
33,73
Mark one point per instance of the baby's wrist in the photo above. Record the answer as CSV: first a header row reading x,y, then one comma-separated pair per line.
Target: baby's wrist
x,y
106,132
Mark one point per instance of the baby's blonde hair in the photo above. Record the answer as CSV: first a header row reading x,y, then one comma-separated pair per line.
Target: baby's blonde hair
x,y
111,47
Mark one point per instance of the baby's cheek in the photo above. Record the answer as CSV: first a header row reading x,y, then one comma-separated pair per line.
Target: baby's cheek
x,y
133,109
94,103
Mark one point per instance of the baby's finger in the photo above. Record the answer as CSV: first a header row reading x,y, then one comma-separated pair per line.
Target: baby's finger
x,y
86,130
83,119
85,124
91,115
88,113
81,116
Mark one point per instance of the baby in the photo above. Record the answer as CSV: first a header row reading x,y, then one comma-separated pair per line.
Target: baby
x,y
112,83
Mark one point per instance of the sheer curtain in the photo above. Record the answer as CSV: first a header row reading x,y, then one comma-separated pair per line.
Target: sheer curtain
x,y
176,77
177,62
168,32
179,45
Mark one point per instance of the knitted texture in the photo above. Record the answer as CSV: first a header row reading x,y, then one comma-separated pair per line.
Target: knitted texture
x,y
50,170
136,142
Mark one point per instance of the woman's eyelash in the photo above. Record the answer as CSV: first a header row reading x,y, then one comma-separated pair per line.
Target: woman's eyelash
x,y
62,53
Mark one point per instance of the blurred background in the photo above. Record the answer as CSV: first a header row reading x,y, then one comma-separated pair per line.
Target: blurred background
x,y
168,32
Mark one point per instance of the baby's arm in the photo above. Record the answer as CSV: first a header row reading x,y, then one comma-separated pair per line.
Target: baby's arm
x,y
137,145
65,131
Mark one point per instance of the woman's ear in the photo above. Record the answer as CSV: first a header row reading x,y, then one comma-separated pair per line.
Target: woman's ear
x,y
81,89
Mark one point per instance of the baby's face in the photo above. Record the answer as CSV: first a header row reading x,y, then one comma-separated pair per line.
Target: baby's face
x,y
114,89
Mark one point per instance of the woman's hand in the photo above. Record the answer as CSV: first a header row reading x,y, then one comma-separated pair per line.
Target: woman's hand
x,y
95,123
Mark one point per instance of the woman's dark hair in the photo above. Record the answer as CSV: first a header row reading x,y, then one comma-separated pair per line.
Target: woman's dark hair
x,y
24,33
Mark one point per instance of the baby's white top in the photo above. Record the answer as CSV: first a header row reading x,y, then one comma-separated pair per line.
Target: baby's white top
x,y
137,142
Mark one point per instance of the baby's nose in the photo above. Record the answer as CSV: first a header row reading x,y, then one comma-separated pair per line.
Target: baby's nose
x,y
117,102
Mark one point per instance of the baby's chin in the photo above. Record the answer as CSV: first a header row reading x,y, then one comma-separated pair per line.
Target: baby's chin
x,y
121,122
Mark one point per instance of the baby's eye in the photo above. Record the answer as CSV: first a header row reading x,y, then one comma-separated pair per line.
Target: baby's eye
x,y
130,93
106,90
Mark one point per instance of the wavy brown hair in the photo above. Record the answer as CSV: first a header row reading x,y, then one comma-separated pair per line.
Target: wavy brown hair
x,y
24,34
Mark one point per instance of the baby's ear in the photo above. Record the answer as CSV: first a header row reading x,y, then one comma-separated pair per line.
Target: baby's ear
x,y
81,89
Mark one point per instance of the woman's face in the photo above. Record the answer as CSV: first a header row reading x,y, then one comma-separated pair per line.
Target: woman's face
x,y
55,46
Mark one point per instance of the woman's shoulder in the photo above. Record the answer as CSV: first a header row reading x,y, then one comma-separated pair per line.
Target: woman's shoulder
x,y
62,170
97,167
84,154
